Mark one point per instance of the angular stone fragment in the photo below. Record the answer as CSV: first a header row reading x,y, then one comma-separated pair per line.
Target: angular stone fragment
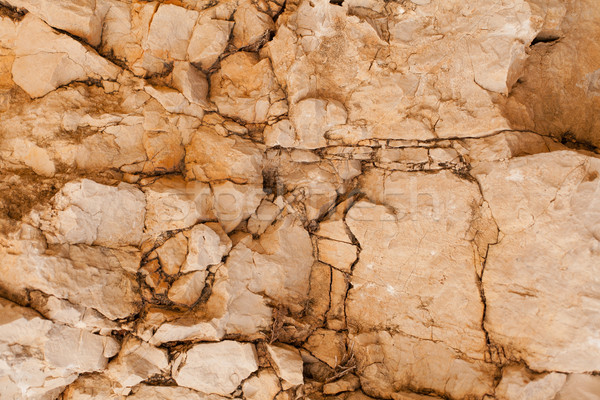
x,y
518,384
288,364
580,387
40,357
541,302
251,25
91,213
264,386
337,254
148,392
235,203
80,18
240,160
170,32
245,87
209,40
416,261
136,362
188,288
313,118
46,60
172,253
215,367
205,248
173,203
388,363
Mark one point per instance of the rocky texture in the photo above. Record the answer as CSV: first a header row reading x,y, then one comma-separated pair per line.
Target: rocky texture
x,y
302,199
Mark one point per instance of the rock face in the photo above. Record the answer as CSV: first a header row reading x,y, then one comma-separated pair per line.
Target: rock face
x,y
303,199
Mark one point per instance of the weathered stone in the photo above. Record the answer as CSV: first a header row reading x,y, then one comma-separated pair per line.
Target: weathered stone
x,y
80,18
539,274
245,87
137,361
173,203
241,161
40,357
188,288
288,365
215,367
91,213
46,60
264,386
518,384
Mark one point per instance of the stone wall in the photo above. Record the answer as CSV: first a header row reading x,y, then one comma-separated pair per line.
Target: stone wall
x,y
299,199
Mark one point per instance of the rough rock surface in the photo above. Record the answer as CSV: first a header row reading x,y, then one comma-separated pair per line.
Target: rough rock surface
x,y
301,199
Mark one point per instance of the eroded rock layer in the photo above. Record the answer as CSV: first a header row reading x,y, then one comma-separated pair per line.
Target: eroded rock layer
x,y
299,199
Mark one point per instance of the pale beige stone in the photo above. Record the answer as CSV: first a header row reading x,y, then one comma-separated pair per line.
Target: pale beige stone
x,y
41,357
46,60
518,384
388,363
190,82
188,288
172,253
209,40
313,118
80,18
348,383
415,251
264,386
147,392
241,160
215,367
541,270
580,387
234,203
205,247
136,362
91,213
287,362
251,25
246,88
173,203
339,255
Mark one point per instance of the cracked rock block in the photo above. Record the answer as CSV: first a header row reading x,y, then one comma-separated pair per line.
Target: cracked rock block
x,y
216,368
91,213
517,384
90,277
45,59
245,88
539,280
41,357
80,18
287,363
439,78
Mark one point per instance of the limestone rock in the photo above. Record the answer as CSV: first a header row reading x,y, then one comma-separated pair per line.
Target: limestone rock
x,y
91,213
425,226
90,277
147,392
579,386
288,365
205,247
518,384
41,357
251,25
246,88
540,271
188,288
209,40
80,18
241,161
337,254
348,383
136,362
172,253
173,203
215,367
46,60
264,386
